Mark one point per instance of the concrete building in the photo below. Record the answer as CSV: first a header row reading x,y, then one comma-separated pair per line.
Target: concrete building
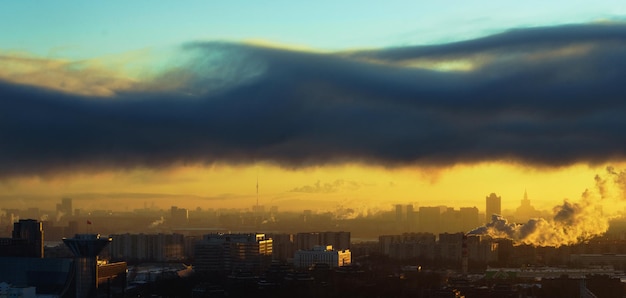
x,y
322,255
429,219
409,245
147,247
64,208
179,216
283,246
224,253
26,240
493,205
469,220
339,240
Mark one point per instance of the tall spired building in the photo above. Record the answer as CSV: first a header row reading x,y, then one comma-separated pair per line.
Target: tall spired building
x,y
493,206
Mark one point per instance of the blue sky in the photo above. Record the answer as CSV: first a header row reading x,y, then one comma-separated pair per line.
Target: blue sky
x,y
79,29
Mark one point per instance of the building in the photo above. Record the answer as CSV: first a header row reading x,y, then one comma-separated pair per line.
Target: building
x,y
86,248
408,245
493,206
64,208
283,246
179,216
400,214
147,247
469,220
340,240
224,253
26,240
322,255
429,219
526,211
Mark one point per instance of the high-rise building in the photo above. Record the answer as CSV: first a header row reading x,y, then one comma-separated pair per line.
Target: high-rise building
x,y
339,240
26,241
305,241
400,215
526,211
147,247
429,219
469,219
493,206
233,253
65,207
283,246
179,216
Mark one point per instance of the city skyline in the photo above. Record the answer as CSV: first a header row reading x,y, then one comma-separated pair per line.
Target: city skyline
x,y
437,106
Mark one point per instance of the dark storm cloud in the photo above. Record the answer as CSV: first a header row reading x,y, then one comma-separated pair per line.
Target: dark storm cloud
x,y
546,96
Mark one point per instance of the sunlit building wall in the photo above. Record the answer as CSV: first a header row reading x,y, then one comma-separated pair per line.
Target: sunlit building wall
x,y
322,255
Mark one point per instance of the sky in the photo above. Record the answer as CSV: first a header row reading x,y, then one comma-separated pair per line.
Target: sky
x,y
329,105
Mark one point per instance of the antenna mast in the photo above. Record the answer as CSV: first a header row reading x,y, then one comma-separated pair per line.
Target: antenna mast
x,y
257,191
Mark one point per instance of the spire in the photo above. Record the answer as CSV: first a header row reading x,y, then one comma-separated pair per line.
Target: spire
x,y
525,195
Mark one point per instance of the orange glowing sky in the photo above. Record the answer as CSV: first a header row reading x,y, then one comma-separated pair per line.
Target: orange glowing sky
x,y
323,188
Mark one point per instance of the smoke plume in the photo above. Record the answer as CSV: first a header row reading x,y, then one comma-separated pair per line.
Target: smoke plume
x,y
156,223
571,222
60,214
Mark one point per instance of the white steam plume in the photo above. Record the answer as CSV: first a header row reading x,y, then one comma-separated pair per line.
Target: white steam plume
x,y
156,223
571,223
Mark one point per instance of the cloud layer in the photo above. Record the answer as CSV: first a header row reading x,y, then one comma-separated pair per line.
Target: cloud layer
x,y
546,96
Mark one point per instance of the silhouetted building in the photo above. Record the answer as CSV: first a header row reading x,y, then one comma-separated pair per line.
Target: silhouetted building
x,y
26,241
526,211
450,247
400,214
493,206
320,254
340,240
429,219
468,217
147,247
224,253
306,241
283,246
65,207
408,245
179,216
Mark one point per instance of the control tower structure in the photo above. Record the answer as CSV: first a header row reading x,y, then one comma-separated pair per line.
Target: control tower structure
x,y
86,248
